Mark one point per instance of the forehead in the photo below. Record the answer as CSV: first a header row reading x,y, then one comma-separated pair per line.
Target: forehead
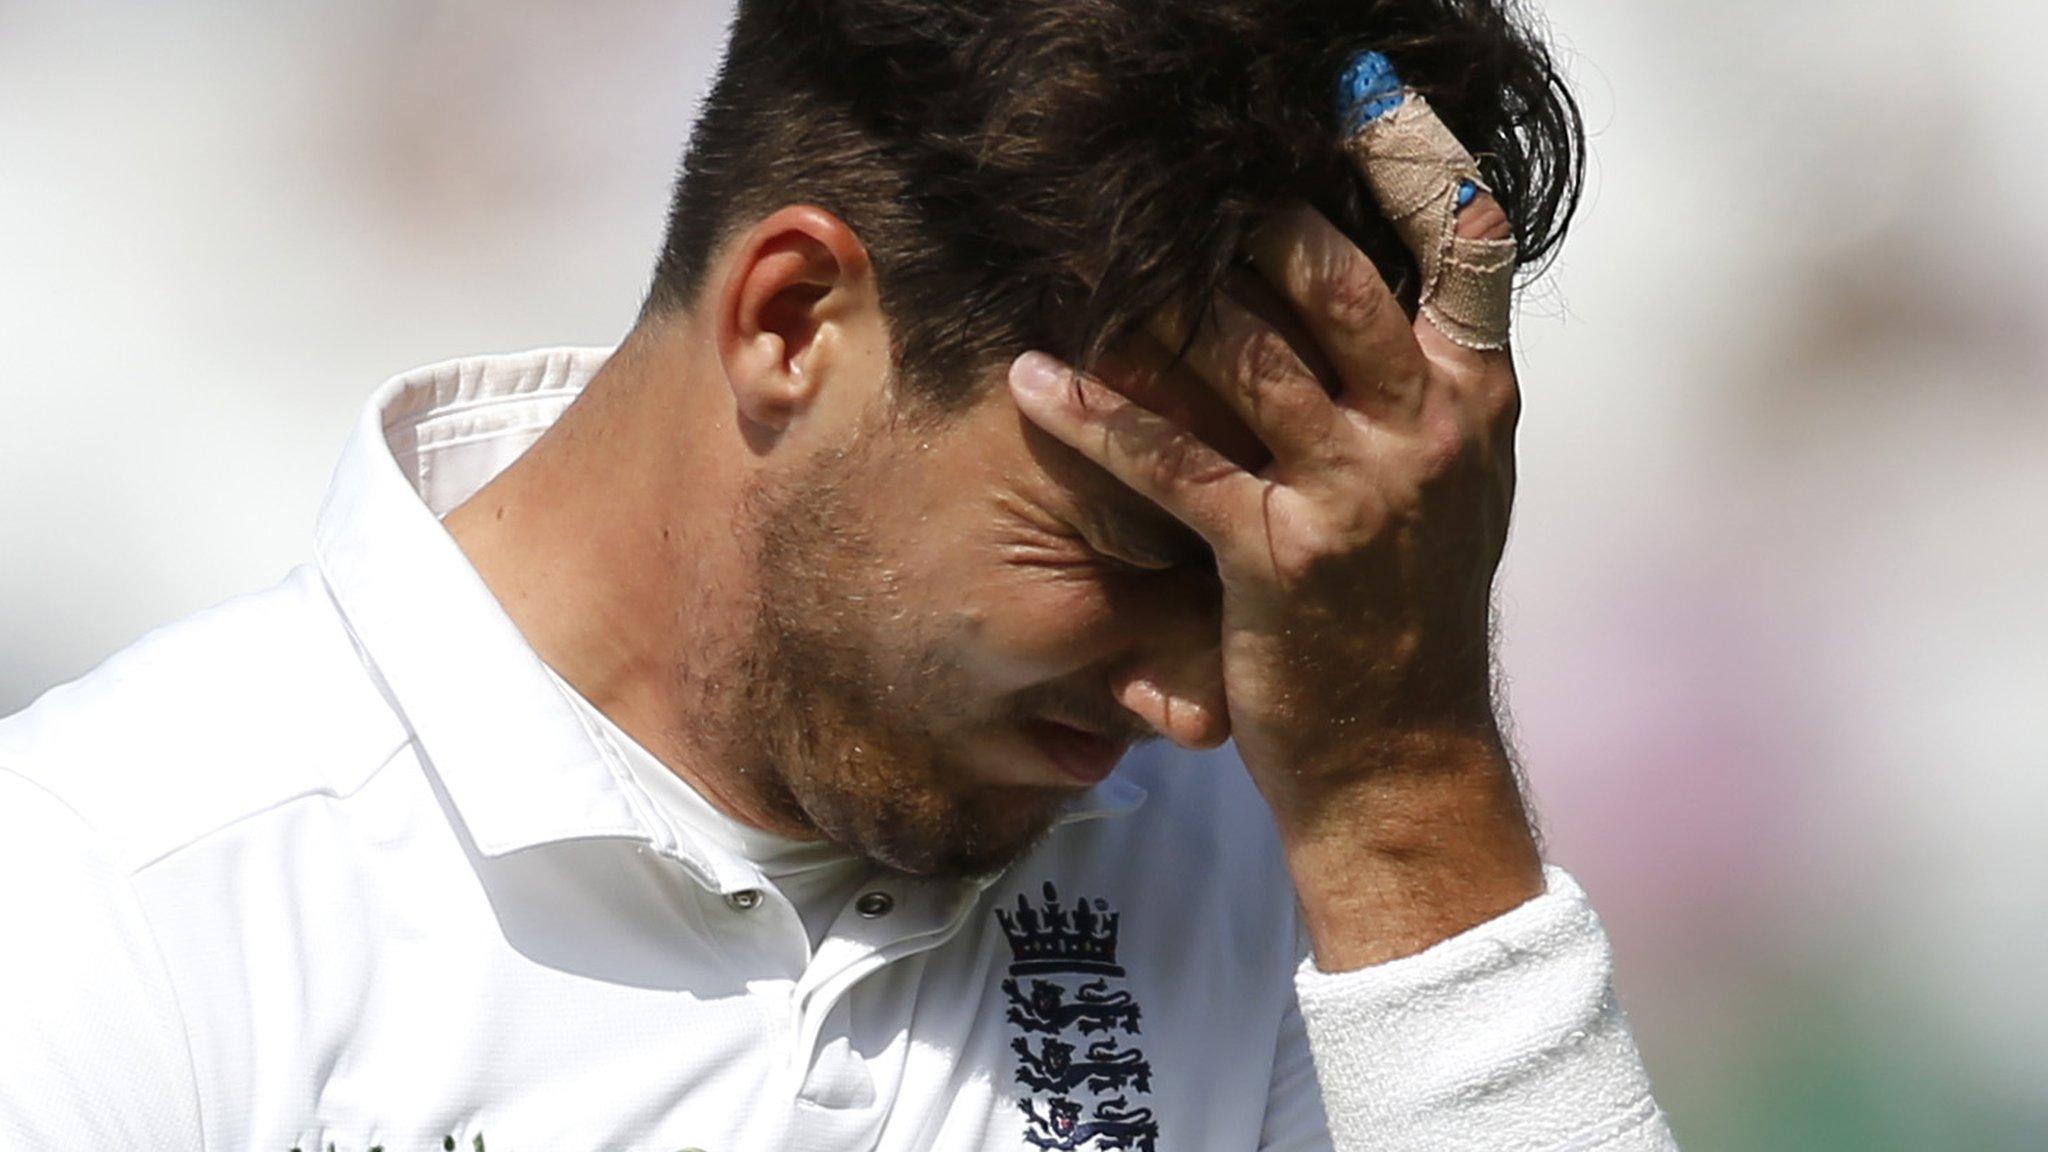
x,y
1080,485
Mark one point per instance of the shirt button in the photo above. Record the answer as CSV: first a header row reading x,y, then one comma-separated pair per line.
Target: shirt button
x,y
744,900
873,904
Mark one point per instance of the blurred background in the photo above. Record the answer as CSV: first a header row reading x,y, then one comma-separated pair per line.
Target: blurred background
x,y
1774,617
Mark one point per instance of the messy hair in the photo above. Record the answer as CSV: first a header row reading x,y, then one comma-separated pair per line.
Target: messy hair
x,y
1046,173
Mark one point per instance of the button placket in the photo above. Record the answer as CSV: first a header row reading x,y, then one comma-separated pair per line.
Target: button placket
x,y
759,927
921,918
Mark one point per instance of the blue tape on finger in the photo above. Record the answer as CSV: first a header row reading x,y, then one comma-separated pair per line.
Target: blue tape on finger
x,y
1467,192
1368,90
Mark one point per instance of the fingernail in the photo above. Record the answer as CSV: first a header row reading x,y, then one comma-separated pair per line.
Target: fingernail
x,y
1467,192
1035,373
1368,90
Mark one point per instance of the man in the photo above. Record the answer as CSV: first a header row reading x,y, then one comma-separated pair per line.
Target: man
x,y
709,742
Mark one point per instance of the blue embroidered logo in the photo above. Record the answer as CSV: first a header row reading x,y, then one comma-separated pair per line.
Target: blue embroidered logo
x,y
1073,1052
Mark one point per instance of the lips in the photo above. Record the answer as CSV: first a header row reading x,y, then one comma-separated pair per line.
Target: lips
x,y
1081,756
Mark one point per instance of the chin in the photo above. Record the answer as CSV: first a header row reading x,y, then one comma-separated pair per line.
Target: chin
x,y
936,835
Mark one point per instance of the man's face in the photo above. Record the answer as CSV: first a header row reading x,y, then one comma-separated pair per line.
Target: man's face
x,y
935,605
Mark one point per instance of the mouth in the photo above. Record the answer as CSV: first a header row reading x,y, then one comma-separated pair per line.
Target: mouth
x,y
1079,755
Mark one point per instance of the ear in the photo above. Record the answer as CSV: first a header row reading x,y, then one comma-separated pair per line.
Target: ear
x,y
798,310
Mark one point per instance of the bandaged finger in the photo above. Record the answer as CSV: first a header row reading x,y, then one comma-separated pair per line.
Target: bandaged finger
x,y
1420,175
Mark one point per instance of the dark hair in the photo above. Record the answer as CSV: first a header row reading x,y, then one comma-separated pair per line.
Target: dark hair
x,y
1045,173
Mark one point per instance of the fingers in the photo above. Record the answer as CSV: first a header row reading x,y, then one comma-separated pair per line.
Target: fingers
x,y
1258,374
1156,458
1347,306
1144,370
1422,178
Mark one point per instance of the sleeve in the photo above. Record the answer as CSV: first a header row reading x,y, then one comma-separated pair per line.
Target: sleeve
x,y
93,1052
1506,1036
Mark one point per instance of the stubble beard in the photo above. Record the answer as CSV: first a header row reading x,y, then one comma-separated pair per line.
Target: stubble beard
x,y
831,725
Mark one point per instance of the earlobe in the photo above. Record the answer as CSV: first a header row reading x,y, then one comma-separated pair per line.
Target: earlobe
x,y
790,283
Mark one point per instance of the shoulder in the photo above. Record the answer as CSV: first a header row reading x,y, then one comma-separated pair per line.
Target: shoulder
x,y
228,712
97,1053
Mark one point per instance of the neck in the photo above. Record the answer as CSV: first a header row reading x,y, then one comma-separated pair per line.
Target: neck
x,y
610,544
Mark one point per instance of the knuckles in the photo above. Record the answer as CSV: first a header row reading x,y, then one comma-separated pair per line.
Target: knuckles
x,y
1445,444
1169,465
1178,463
1352,298
1335,278
1444,450
1308,557
1265,359
1504,407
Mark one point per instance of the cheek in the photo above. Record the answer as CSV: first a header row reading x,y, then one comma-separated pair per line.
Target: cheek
x,y
1004,593
1028,622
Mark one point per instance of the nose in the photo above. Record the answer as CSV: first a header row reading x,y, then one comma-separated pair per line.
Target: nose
x,y
1173,677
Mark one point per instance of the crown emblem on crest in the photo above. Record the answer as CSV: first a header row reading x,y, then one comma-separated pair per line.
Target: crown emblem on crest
x,y
1073,1023
1052,937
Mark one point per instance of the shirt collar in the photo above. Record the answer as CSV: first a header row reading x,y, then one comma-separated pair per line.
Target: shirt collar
x,y
511,755
515,760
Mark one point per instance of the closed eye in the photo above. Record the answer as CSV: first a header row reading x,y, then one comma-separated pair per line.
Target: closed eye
x,y
1137,563
1195,555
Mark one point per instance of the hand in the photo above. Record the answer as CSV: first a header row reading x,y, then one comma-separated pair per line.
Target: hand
x,y
1356,565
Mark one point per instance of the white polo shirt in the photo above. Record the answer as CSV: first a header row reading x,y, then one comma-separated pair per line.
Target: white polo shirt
x,y
816,878
337,865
